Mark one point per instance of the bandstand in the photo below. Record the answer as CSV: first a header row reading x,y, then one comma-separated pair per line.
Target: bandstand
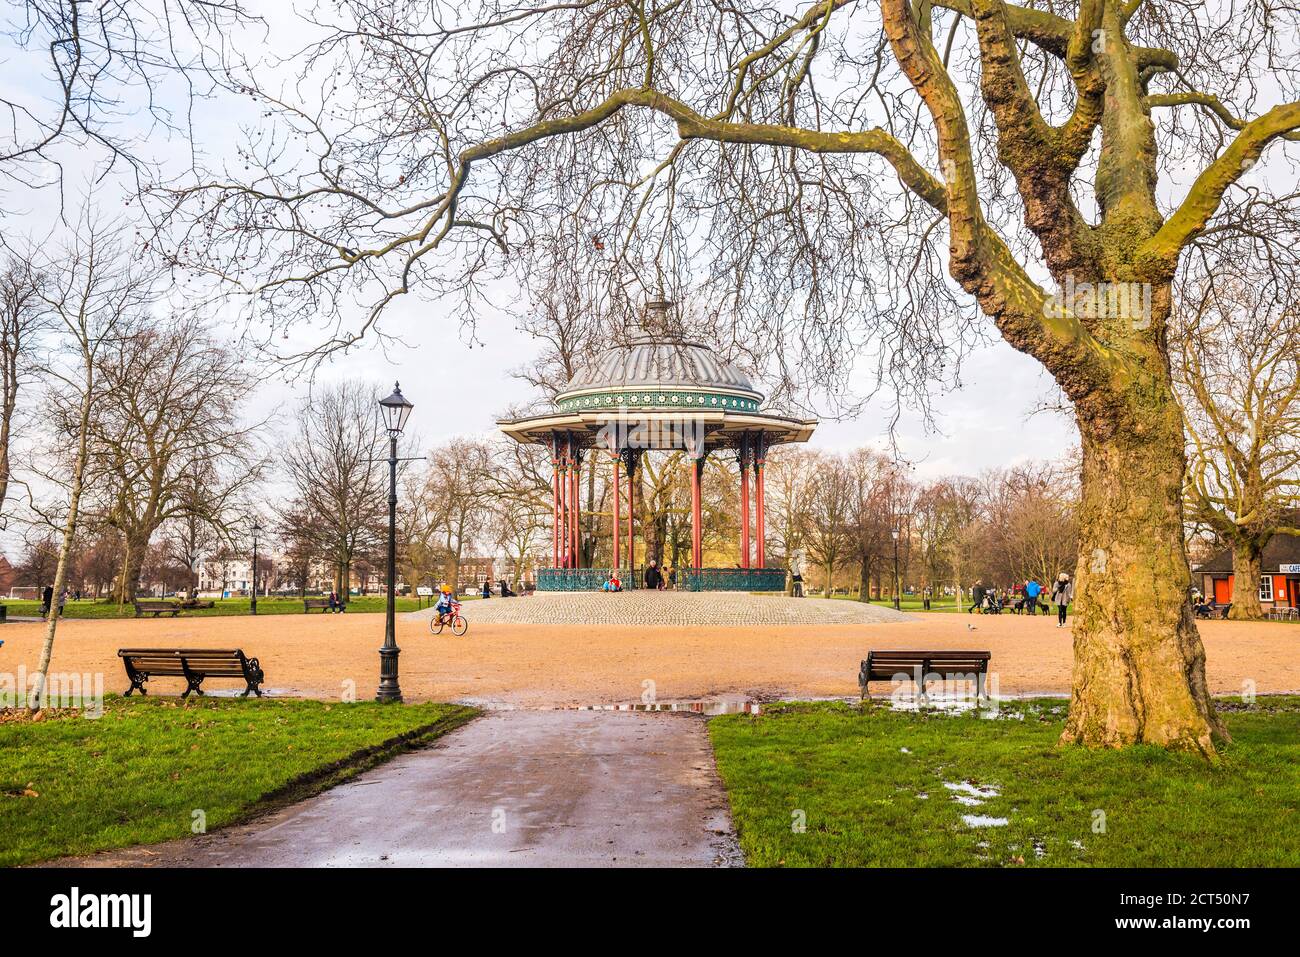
x,y
657,391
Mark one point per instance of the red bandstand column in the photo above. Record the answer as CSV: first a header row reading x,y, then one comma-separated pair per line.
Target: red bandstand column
x,y
760,528
697,548
555,502
631,528
618,493
576,517
744,502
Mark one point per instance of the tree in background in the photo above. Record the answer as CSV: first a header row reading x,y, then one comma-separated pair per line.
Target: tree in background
x,y
93,293
826,536
870,476
789,488
458,492
337,464
166,437
23,317
1237,365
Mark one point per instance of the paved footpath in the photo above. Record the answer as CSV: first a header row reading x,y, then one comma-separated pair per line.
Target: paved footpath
x,y
511,788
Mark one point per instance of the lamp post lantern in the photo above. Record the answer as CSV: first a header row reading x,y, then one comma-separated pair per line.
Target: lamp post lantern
x,y
252,604
395,409
893,532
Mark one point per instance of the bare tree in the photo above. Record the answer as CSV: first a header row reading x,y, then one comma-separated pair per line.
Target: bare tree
x,y
1238,372
789,487
92,292
22,319
457,488
336,463
106,60
870,477
830,513
166,438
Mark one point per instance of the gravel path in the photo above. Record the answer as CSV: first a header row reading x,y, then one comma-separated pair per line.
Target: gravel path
x,y
671,608
332,656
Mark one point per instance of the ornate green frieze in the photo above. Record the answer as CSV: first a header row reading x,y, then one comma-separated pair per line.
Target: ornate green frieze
x,y
675,399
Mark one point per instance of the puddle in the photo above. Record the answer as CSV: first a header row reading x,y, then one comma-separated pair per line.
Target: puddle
x,y
972,790
710,707
981,820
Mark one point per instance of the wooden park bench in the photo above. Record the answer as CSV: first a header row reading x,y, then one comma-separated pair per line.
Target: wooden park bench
x,y
923,666
192,664
322,603
156,608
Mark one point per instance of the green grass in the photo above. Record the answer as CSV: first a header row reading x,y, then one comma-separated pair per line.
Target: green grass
x,y
137,774
222,606
909,603
860,792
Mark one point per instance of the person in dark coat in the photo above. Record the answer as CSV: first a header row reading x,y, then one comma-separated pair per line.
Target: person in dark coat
x,y
487,589
977,593
47,599
653,577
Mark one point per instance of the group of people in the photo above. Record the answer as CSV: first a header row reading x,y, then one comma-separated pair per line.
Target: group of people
x,y
1024,598
655,579
47,600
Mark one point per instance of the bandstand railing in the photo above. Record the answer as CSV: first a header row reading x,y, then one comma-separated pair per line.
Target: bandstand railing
x,y
688,579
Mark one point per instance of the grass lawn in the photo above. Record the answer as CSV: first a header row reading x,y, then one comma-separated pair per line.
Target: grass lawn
x,y
72,785
223,606
871,789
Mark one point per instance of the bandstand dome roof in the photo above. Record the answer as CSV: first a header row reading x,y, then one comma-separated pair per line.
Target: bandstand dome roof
x,y
661,365
664,370
659,375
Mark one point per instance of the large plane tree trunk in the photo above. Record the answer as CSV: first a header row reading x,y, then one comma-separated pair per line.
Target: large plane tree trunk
x,y
1247,560
1139,666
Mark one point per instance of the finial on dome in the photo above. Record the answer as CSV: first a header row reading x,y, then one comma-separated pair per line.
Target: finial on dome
x,y
656,316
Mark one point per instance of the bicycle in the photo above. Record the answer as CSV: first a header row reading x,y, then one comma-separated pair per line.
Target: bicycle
x,y
456,621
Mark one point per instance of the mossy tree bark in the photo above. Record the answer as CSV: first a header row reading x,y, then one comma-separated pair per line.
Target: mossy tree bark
x,y
1247,559
1139,666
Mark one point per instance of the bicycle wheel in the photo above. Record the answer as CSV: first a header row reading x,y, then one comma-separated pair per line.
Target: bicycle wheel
x,y
459,626
435,625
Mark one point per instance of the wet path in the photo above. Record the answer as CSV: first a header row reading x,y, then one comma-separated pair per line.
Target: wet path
x,y
512,788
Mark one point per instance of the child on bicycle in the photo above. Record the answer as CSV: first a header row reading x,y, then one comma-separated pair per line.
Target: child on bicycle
x,y
445,605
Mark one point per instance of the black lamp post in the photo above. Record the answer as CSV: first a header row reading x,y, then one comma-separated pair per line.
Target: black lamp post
x,y
252,605
395,410
894,534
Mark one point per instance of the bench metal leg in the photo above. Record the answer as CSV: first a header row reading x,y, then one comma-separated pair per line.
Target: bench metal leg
x,y
980,694
192,681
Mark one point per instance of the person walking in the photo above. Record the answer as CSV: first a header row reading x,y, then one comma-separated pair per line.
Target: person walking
x,y
487,590
977,593
47,599
796,584
1062,594
653,577
1032,591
